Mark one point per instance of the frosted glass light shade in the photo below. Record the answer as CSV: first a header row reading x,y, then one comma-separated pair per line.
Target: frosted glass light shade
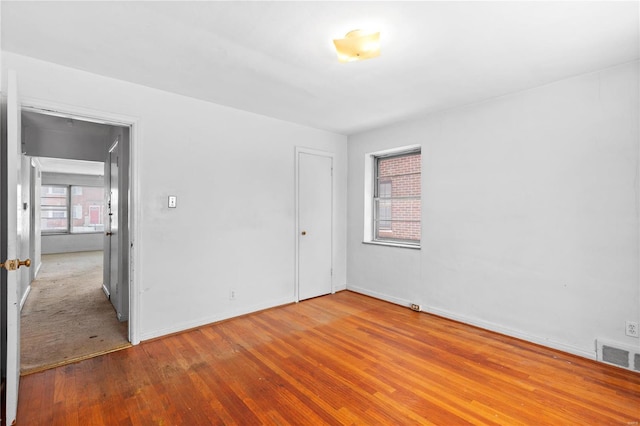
x,y
357,45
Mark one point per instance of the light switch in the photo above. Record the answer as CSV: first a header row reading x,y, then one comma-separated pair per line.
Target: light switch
x,y
173,201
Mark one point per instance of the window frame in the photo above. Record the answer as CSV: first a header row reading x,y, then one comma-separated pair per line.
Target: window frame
x,y
68,209
64,208
372,197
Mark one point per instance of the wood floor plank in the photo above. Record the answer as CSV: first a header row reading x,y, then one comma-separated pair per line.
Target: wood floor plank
x,y
334,360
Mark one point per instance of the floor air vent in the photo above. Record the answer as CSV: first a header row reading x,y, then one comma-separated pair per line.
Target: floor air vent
x,y
619,355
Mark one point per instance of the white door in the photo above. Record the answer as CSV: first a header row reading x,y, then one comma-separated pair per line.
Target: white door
x,y
315,199
112,233
13,238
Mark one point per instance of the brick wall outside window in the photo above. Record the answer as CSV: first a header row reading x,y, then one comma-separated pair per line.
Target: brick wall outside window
x,y
398,206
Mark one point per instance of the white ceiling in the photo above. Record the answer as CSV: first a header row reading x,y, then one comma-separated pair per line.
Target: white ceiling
x,y
277,58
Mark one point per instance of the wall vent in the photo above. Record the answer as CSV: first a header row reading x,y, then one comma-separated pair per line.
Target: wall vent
x,y
618,355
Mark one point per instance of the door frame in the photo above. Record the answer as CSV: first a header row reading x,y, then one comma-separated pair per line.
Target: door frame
x,y
115,298
302,150
134,246
11,311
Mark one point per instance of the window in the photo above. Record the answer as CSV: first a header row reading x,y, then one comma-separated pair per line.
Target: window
x,y
396,198
88,206
384,207
54,203
71,209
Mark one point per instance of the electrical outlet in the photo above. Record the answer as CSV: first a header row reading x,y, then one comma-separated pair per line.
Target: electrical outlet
x,y
631,329
232,295
416,307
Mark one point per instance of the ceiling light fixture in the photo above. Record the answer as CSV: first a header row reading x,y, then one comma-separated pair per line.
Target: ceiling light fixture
x,y
357,45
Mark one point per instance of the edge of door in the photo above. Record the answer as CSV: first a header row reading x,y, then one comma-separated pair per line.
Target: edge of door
x,y
302,150
134,244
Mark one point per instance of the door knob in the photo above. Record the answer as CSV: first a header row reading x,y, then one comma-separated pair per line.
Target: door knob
x,y
304,232
15,264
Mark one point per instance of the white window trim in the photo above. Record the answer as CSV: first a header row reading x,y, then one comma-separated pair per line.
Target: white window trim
x,y
369,164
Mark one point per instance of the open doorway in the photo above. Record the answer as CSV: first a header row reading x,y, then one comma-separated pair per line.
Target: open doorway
x,y
77,302
67,317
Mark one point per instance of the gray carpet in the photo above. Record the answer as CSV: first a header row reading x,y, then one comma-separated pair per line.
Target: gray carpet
x,y
67,316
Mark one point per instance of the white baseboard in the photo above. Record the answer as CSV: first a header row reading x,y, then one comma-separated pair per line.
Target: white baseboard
x,y
480,323
35,275
24,297
338,288
513,333
106,291
187,325
380,296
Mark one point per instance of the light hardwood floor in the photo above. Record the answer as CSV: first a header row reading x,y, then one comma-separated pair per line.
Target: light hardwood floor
x,y
338,359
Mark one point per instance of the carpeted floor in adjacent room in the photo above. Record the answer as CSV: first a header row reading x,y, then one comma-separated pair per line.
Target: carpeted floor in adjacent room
x,y
67,316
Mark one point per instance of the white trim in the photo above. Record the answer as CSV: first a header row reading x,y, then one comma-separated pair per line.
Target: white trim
x,y
392,244
74,111
35,275
394,151
381,296
105,290
59,109
187,325
135,237
302,150
486,325
369,190
24,297
113,146
339,287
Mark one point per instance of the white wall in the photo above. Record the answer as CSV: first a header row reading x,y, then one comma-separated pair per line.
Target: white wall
x,y
233,174
71,243
530,213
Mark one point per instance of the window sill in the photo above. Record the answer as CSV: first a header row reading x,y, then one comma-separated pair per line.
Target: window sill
x,y
392,244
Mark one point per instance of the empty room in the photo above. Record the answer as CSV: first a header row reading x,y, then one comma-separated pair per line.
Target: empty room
x,y
327,212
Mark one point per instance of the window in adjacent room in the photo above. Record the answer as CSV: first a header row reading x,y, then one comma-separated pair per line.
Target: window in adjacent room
x,y
396,200
88,204
71,209
54,205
